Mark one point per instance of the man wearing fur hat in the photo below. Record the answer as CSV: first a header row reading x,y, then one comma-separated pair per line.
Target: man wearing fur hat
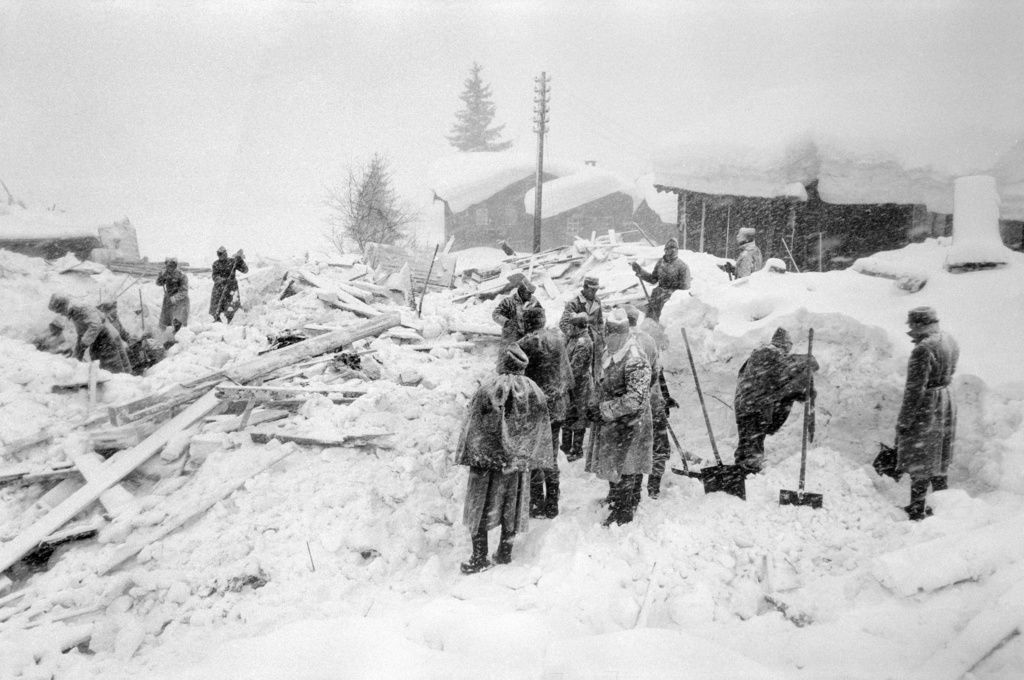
x,y
926,426
749,260
97,339
670,273
585,309
175,308
508,313
548,367
224,295
507,432
769,381
621,412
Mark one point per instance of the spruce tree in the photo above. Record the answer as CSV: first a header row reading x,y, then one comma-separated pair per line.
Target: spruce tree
x,y
471,131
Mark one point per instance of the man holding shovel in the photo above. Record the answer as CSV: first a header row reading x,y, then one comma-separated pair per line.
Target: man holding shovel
x,y
768,384
224,296
670,273
175,307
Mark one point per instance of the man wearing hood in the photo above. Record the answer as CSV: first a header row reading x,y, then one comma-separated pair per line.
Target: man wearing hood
x,y
621,412
670,273
749,260
507,432
224,296
926,426
769,381
548,367
97,338
509,312
175,307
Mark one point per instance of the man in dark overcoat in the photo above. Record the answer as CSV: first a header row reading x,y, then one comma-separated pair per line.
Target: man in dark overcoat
x,y
670,273
224,295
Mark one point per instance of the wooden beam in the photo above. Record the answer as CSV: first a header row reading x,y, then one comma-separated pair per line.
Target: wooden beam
x,y
114,470
355,439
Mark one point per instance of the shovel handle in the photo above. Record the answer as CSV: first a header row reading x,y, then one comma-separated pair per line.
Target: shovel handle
x,y
675,440
700,395
807,411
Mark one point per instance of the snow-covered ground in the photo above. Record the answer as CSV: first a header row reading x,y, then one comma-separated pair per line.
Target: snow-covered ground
x,y
343,563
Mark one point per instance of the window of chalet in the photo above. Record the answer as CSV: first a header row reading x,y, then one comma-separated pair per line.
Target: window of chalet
x,y
481,218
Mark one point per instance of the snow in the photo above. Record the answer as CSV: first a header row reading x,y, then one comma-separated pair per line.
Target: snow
x,y
464,179
589,184
976,237
18,224
796,134
665,205
343,562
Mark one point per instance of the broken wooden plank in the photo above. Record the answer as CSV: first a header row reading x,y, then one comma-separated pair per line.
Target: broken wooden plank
x,y
467,328
76,532
115,500
171,525
17,445
114,470
466,345
354,439
24,474
333,299
364,296
264,393
257,417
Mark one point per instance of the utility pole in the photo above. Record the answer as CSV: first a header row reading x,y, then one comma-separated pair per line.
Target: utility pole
x,y
541,99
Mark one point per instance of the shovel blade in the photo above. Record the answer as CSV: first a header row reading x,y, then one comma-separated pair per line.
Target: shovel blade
x,y
727,478
796,498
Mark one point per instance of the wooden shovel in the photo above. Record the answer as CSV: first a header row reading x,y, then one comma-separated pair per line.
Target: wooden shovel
x,y
800,497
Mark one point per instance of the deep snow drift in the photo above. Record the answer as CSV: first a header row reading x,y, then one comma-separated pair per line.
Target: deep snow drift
x,y
698,586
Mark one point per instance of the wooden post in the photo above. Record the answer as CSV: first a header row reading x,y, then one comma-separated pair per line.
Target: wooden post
x,y
703,216
821,265
540,121
728,219
681,218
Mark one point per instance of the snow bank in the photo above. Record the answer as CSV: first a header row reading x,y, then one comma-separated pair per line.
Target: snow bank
x,y
976,238
18,224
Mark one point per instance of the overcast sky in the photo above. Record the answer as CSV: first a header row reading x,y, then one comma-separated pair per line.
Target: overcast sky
x,y
223,122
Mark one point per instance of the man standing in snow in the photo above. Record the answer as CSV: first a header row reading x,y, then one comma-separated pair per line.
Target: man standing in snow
x,y
97,339
749,260
621,413
580,348
926,426
548,367
509,312
586,305
174,311
670,273
224,296
768,384
661,400
507,433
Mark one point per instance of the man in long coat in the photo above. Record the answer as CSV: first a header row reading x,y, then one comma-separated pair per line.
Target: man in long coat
x,y
926,426
507,433
224,296
548,367
670,273
508,313
660,402
588,305
97,338
749,259
769,381
580,348
622,436
175,307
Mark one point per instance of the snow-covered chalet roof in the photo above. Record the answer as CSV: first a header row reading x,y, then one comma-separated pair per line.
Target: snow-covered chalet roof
x,y
464,179
580,188
858,153
21,224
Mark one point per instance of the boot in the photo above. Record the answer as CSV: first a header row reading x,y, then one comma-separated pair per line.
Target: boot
x,y
478,562
918,510
654,486
939,483
503,555
551,503
537,501
567,442
576,452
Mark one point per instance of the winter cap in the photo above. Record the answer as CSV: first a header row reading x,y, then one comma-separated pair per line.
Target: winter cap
x,y
632,314
590,282
222,249
616,321
745,234
672,242
170,259
513,360
922,316
58,304
534,317
781,338
526,287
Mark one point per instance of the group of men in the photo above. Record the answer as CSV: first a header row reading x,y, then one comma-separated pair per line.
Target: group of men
x,y
100,335
600,371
